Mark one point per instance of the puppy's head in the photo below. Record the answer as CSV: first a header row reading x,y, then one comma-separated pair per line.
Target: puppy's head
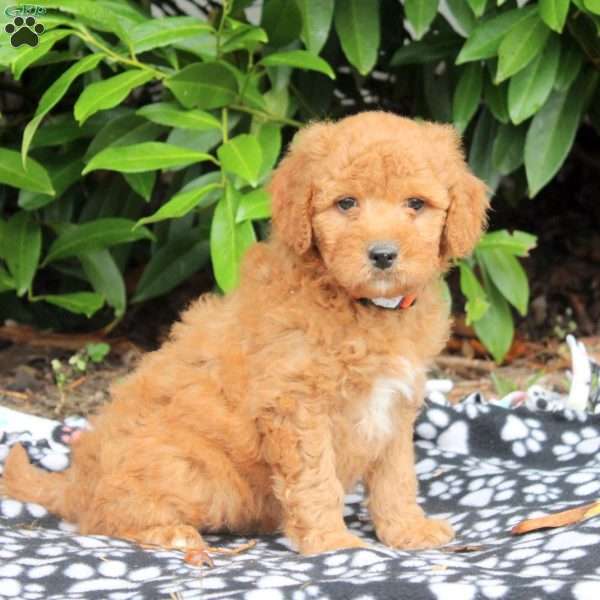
x,y
385,201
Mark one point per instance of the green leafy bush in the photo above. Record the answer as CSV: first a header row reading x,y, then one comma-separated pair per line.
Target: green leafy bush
x,y
132,139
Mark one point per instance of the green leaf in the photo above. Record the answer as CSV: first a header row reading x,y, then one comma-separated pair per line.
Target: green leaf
x,y
316,23
552,131
228,240
81,303
518,243
94,235
172,115
21,248
487,35
244,36
97,351
507,151
508,276
496,99
467,96
431,49
156,33
147,156
478,6
302,59
172,264
530,88
459,16
571,61
203,85
242,156
102,272
60,130
477,304
554,13
54,94
254,205
592,6
480,157
282,21
521,45
99,14
269,138
142,183
12,173
357,25
180,204
108,93
420,14
28,55
64,170
124,130
495,328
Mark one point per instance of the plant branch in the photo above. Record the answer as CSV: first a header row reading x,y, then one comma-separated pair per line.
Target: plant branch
x,y
266,115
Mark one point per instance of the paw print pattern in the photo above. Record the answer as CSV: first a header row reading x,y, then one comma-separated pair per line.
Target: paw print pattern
x,y
587,441
24,31
450,487
526,435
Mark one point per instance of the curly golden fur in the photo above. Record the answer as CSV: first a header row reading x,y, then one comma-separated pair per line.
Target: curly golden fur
x,y
265,406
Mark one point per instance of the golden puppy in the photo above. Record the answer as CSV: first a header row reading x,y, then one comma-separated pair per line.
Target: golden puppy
x,y
265,406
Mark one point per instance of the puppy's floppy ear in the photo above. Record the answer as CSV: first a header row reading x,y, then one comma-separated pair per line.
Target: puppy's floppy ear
x,y
292,187
466,216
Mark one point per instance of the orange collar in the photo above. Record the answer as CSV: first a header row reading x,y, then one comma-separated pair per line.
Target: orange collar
x,y
401,302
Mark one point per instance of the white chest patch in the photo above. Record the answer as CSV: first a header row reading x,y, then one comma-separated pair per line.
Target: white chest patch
x,y
376,423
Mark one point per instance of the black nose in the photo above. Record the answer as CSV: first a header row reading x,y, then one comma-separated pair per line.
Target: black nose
x,y
383,254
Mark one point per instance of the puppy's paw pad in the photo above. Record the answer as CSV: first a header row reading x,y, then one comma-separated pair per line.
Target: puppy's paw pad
x,y
416,534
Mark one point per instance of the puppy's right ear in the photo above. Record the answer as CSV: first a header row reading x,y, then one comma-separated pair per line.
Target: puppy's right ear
x,y
292,187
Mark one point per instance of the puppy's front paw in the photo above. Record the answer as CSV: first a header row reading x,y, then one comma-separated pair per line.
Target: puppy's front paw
x,y
415,533
315,543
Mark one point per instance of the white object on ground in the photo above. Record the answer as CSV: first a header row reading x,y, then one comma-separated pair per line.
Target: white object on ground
x,y
581,370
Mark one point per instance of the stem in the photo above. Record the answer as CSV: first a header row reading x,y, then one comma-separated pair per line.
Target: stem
x,y
226,9
266,115
84,34
225,136
225,125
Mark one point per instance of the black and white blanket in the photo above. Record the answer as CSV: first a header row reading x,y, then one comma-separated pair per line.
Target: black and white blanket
x,y
482,466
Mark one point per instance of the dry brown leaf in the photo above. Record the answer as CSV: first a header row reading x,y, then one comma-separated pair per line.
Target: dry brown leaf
x,y
465,548
559,519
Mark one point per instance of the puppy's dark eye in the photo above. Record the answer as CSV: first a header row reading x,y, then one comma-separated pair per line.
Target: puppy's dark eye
x,y
347,203
415,203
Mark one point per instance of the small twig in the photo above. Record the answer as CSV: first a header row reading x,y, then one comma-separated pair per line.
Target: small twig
x,y
17,395
233,551
75,384
454,362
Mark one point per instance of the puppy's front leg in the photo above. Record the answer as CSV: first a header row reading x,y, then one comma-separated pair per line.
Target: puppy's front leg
x,y
392,483
299,449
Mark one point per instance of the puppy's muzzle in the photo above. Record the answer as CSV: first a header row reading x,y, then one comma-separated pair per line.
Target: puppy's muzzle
x,y
383,254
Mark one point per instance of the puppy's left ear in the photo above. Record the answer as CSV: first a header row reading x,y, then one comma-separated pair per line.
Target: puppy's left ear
x,y
466,216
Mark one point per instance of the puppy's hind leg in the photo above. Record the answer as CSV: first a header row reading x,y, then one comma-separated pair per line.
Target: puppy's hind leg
x,y
164,495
